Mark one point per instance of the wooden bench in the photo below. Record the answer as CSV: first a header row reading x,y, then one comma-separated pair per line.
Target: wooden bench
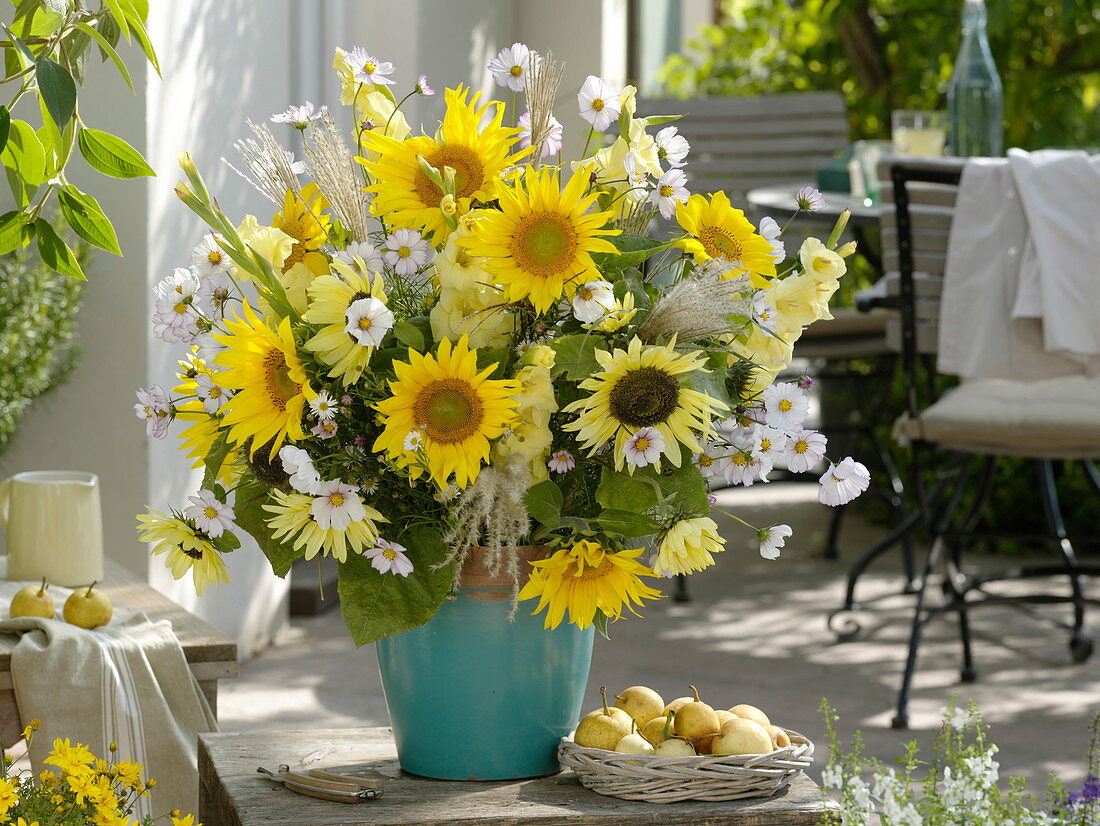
x,y
211,655
231,793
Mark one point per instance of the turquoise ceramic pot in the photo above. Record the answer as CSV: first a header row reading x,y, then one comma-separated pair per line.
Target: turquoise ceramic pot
x,y
473,696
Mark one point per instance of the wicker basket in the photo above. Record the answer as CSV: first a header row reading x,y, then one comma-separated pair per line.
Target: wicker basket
x,y
657,779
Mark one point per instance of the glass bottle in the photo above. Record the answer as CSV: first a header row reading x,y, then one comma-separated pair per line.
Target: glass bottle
x,y
975,98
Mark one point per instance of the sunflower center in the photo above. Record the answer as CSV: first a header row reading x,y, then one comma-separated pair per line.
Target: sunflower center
x,y
449,410
643,397
469,174
545,243
719,243
596,572
281,388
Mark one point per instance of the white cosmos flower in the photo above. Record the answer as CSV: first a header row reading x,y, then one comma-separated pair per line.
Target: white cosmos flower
x,y
768,442
644,447
337,505
561,461
786,405
770,231
637,177
209,515
389,558
296,167
422,87
843,482
763,310
213,397
175,317
672,147
671,189
809,199
154,407
324,430
713,460
304,477
745,469
324,407
804,449
406,251
412,440
216,290
593,301
772,539
553,143
599,103
368,69
511,65
368,321
298,116
207,258
371,255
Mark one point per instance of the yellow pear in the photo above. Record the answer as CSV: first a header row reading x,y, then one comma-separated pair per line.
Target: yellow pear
x,y
751,713
780,738
604,727
654,730
724,716
676,704
695,719
32,601
88,608
674,747
640,702
634,744
742,736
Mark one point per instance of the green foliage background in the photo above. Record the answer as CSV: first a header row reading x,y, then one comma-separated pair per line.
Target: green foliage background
x,y
898,54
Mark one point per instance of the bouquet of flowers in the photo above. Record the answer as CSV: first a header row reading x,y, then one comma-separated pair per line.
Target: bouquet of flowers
x,y
461,340
79,789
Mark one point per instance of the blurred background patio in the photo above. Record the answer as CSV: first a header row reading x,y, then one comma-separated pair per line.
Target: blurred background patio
x,y
756,629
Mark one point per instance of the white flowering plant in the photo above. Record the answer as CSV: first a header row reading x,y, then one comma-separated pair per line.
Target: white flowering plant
x,y
461,340
959,786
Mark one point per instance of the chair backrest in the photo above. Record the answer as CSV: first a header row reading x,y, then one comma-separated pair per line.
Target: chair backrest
x,y
739,143
929,210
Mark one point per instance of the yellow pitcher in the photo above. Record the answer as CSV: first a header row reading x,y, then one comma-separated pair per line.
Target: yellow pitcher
x,y
54,526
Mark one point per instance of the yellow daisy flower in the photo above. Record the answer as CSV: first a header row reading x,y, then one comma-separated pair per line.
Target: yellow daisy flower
x,y
186,550
643,386
68,757
293,517
541,238
271,383
478,154
188,820
585,579
129,773
718,230
331,299
8,795
455,409
687,547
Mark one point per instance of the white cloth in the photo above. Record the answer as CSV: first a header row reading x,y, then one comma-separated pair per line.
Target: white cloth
x,y
127,683
1021,292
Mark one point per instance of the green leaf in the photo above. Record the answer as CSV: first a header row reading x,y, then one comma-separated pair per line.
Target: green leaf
x,y
11,231
118,14
576,355
108,51
409,335
111,155
712,383
214,459
633,250
684,488
544,502
138,28
252,495
55,252
23,153
27,54
599,619
226,543
57,88
377,605
84,215
618,491
5,126
627,523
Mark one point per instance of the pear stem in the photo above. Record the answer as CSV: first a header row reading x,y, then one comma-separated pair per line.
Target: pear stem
x,y
603,695
42,590
695,691
88,595
668,723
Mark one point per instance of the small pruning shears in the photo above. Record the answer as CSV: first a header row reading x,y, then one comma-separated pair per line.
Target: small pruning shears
x,y
326,785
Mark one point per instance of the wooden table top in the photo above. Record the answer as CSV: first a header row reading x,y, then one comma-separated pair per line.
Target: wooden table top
x,y
233,794
201,641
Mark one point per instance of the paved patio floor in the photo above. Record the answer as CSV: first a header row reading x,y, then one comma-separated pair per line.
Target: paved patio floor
x,y
756,632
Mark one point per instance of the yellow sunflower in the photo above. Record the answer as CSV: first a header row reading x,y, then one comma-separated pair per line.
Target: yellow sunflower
x,y
477,153
585,579
453,409
186,549
718,230
293,518
262,365
541,239
643,386
333,304
303,219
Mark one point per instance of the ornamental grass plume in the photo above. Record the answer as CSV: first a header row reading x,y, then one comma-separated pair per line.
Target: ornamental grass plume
x,y
706,306
334,169
270,167
543,78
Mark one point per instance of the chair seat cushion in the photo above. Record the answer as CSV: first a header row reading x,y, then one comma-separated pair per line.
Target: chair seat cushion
x,y
1059,418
